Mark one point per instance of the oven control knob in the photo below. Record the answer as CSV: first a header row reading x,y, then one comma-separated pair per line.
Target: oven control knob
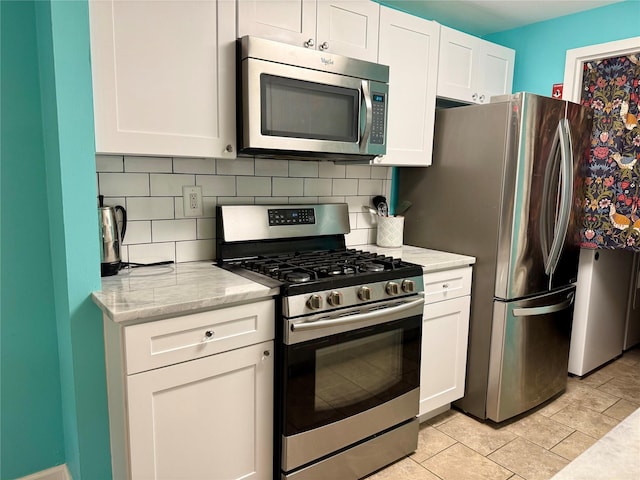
x,y
335,298
408,286
364,294
392,288
314,302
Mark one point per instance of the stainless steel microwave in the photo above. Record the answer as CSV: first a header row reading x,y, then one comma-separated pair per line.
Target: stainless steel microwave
x,y
300,103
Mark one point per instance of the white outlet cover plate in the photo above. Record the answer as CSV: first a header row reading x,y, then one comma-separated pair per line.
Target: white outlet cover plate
x,y
187,192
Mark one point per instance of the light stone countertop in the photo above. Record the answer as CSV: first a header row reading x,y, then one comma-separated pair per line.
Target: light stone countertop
x,y
150,293
431,260
147,293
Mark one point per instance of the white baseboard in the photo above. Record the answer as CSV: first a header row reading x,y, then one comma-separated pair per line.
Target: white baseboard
x,y
61,472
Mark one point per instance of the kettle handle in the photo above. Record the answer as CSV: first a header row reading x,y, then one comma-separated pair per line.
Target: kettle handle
x,y
124,221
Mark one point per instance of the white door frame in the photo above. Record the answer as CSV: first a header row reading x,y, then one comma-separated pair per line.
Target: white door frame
x,y
578,56
584,334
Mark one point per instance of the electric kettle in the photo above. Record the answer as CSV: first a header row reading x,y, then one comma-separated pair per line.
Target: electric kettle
x,y
112,236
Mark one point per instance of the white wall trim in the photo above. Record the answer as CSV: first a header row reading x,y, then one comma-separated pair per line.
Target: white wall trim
x,y
61,472
576,57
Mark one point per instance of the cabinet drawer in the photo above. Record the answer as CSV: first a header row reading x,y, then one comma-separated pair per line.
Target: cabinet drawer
x,y
166,342
447,284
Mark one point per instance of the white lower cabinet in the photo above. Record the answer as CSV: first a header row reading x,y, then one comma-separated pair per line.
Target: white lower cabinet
x,y
207,413
445,331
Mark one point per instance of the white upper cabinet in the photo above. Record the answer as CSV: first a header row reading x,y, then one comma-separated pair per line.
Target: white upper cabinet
x,y
472,70
344,27
164,77
409,45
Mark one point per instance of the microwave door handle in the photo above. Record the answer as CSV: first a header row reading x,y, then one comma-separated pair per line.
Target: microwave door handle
x,y
366,95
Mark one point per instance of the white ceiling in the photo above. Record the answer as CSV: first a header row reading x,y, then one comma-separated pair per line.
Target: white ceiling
x,y
481,17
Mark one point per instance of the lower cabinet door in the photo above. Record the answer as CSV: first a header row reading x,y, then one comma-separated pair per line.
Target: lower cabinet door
x,y
209,418
445,330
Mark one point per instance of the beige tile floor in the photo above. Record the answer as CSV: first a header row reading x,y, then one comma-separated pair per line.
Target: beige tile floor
x,y
453,446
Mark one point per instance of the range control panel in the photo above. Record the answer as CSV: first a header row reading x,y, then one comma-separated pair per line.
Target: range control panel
x,y
291,216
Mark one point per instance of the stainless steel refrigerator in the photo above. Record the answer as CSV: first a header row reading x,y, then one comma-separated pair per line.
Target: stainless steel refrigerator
x,y
504,187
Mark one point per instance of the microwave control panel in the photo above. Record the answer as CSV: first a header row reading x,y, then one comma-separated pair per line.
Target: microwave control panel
x,y
379,115
291,216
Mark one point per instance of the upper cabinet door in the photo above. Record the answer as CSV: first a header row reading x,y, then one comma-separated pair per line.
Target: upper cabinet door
x,y
344,27
472,70
412,86
292,21
496,75
164,77
349,28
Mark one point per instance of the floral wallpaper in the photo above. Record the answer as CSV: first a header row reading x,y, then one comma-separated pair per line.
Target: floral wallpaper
x,y
612,184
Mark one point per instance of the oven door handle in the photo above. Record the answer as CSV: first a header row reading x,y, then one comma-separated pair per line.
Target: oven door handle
x,y
358,317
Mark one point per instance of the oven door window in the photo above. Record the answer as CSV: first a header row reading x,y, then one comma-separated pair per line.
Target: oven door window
x,y
332,378
301,109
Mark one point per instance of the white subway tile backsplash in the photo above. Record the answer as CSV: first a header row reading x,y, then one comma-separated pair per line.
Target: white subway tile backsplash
x,y
331,170
152,252
303,200
381,172
269,167
357,237
236,201
166,185
173,230
253,186
195,250
370,187
238,166
123,184
356,203
366,220
358,171
331,199
317,186
148,164
206,228
113,201
288,187
150,208
209,206
137,232
150,189
272,200
217,185
109,163
203,166
303,168
345,186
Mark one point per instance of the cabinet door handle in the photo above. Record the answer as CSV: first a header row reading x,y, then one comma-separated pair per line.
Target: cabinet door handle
x,y
324,46
309,43
481,98
474,97
445,285
229,148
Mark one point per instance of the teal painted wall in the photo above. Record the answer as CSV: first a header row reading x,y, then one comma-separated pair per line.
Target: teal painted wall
x,y
31,423
541,47
55,330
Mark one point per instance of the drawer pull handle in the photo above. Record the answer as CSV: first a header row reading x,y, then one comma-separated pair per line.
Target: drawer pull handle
x,y
445,285
208,335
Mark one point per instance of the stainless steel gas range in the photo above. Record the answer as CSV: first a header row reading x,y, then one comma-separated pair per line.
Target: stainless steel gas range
x,y
348,336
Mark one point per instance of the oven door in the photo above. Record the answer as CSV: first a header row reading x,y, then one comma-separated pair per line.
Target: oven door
x,y
293,109
357,376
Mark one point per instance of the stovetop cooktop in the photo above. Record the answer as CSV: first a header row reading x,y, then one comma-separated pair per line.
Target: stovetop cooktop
x,y
303,272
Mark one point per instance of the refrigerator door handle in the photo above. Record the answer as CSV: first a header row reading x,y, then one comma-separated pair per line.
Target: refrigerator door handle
x,y
549,206
566,180
530,311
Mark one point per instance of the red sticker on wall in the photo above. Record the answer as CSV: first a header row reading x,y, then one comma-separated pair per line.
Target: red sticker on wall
x,y
556,91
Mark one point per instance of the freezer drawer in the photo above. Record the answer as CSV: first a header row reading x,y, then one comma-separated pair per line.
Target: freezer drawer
x,y
529,352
